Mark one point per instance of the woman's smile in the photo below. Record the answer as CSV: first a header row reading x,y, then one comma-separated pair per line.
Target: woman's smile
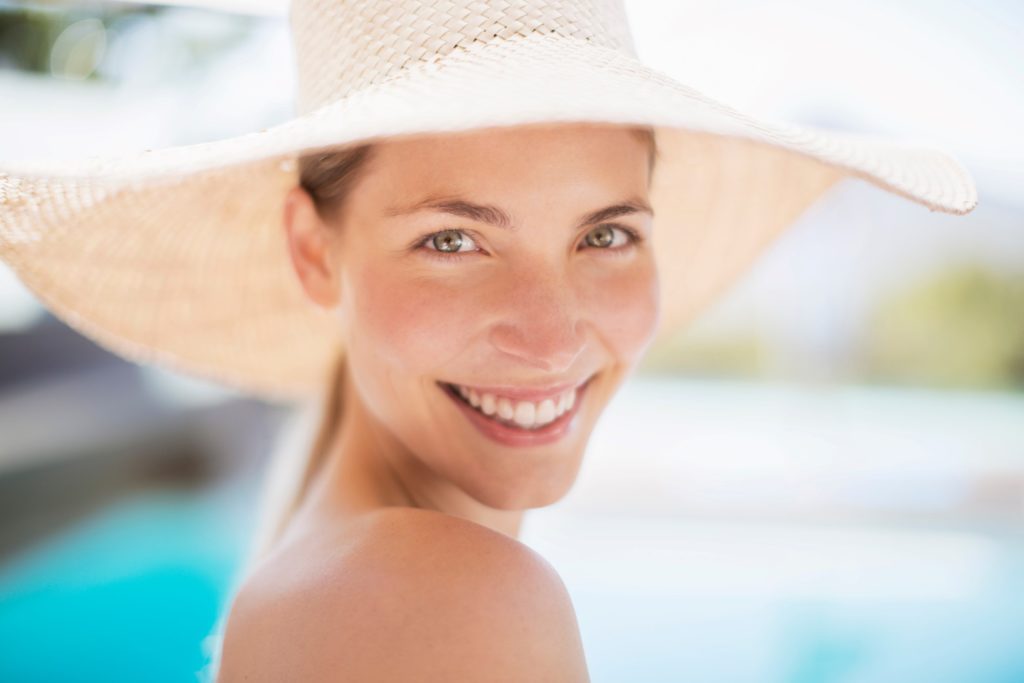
x,y
519,422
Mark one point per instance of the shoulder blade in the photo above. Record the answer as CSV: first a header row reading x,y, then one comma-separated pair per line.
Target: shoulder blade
x,y
413,595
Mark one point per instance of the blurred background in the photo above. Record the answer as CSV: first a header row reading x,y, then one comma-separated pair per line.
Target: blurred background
x,y
820,480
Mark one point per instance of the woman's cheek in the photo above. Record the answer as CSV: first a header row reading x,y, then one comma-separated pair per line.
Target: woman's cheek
x,y
626,308
415,321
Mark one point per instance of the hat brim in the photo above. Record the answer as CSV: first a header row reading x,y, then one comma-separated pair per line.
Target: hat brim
x,y
176,256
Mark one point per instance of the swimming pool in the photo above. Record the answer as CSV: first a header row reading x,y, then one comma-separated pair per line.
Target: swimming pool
x,y
125,595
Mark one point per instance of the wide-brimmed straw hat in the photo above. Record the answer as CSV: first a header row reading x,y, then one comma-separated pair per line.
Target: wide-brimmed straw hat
x,y
177,256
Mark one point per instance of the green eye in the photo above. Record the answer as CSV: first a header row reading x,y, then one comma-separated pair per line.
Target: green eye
x,y
447,240
445,245
603,236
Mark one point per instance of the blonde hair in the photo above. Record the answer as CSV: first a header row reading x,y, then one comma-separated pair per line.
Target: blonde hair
x,y
298,454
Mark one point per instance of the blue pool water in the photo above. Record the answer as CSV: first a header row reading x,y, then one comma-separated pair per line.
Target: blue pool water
x,y
127,595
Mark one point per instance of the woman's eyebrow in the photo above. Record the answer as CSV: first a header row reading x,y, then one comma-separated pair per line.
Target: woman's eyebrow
x,y
494,215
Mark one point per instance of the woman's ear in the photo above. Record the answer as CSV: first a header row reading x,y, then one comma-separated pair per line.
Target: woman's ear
x,y
309,246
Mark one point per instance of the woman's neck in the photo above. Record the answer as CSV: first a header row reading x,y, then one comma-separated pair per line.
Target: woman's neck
x,y
366,468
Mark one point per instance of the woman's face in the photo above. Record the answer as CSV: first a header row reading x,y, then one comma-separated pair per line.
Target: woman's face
x,y
526,293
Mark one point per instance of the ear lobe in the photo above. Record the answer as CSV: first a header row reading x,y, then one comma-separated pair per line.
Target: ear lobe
x,y
309,248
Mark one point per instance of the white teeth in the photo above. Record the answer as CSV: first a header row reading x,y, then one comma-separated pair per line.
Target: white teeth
x,y
546,411
505,409
526,414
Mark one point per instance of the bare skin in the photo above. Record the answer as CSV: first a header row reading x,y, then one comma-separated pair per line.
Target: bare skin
x,y
533,305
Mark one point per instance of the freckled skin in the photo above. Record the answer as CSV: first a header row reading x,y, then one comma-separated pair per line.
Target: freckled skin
x,y
536,304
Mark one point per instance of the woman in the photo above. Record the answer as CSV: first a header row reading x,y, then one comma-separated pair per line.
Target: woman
x,y
537,321
465,259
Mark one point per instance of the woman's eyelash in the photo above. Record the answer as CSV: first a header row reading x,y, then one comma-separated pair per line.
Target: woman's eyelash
x,y
634,239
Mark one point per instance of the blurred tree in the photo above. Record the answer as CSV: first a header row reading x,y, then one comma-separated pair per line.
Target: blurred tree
x,y
961,328
28,34
740,355
26,38
167,40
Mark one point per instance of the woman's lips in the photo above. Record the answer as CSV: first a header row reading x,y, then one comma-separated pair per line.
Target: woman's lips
x,y
518,393
514,435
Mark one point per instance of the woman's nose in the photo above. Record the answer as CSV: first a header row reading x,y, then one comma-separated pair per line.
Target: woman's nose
x,y
542,325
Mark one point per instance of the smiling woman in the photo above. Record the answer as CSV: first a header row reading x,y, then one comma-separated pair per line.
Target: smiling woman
x,y
458,279
534,310
583,315
469,390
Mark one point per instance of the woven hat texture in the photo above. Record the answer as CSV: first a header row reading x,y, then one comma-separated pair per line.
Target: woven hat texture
x,y
177,256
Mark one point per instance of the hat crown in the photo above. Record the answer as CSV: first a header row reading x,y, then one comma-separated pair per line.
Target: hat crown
x,y
342,46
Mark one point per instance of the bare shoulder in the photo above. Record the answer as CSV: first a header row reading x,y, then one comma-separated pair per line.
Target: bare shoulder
x,y
405,594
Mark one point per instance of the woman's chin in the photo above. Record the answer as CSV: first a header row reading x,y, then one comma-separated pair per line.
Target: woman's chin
x,y
510,474
530,489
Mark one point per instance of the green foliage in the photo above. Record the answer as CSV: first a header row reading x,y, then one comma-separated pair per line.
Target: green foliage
x,y
962,328
29,33
25,39
742,355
